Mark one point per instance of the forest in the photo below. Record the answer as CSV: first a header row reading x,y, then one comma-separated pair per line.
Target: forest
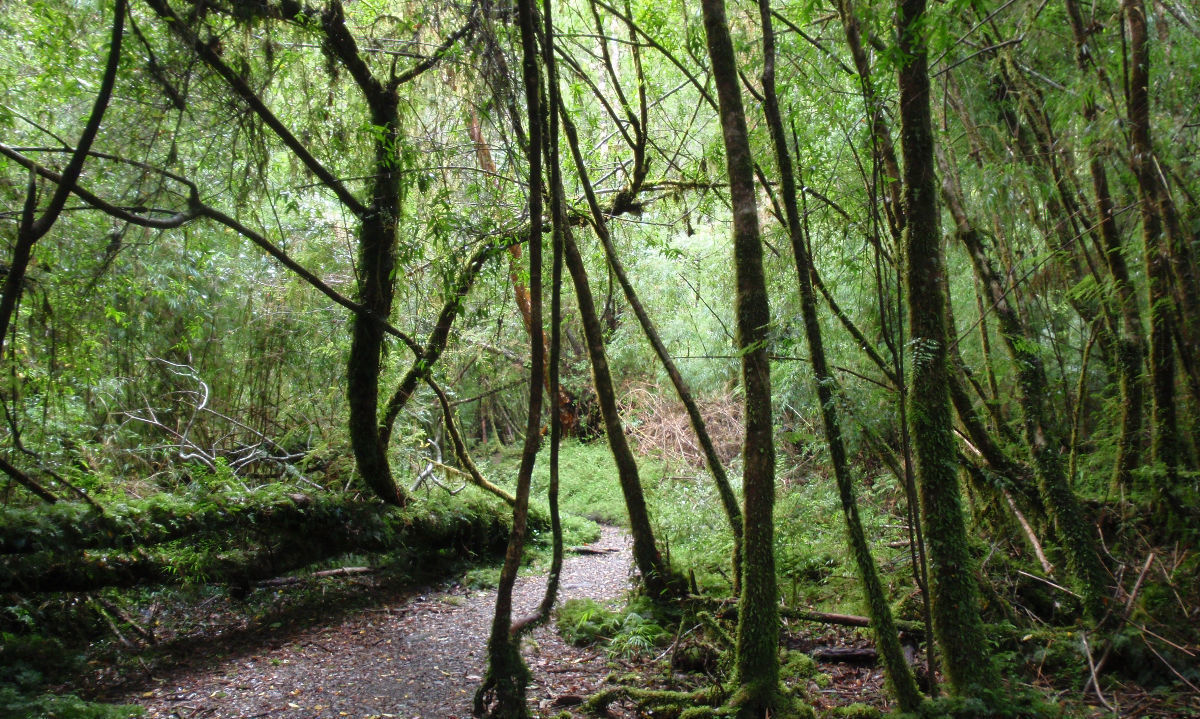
x,y
515,358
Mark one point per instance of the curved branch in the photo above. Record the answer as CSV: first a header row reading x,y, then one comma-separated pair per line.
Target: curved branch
x,y
197,210
32,229
251,98
423,365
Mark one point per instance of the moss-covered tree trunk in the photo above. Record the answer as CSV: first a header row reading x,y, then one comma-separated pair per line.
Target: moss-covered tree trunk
x,y
757,663
887,639
1076,535
502,692
953,592
1041,432
376,288
1165,437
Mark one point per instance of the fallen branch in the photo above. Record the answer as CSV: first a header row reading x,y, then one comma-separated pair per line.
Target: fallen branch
x,y
590,550
729,611
1030,535
1095,681
845,655
339,572
1128,610
845,620
27,482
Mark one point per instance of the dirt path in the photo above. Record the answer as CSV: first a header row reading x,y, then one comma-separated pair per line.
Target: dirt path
x,y
421,658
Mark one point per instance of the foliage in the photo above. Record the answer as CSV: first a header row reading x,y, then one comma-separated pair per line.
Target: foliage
x,y
27,662
66,706
633,630
586,621
194,385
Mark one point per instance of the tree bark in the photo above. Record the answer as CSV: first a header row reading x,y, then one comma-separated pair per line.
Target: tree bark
x,y
757,661
900,677
558,219
376,262
953,594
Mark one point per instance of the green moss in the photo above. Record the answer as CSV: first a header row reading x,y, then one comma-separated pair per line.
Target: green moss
x,y
856,710
796,666
49,706
780,704
1006,703
501,695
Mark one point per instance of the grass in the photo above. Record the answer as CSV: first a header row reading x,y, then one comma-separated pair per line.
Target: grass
x,y
692,529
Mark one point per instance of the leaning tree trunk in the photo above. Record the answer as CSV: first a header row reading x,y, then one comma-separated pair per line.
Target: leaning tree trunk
x,y
900,676
655,571
1041,437
728,499
953,593
502,693
757,663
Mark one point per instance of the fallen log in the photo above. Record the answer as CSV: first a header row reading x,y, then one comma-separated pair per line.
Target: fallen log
x,y
339,572
278,542
163,518
845,655
729,611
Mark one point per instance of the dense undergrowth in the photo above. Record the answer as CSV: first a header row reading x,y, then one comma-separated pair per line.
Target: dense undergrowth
x,y
1034,624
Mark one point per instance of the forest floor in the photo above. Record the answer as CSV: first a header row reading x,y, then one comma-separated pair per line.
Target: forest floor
x,y
410,654
419,656
422,655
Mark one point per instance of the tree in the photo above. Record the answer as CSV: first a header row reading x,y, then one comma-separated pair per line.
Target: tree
x,y
757,661
952,591
902,681
502,693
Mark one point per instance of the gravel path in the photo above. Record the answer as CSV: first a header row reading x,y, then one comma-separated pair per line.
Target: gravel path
x,y
421,658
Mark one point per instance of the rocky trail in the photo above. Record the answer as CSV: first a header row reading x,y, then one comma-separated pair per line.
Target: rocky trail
x,y
422,657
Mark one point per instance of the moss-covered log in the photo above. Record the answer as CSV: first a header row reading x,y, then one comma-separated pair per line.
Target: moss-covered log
x,y
161,518
280,536
662,702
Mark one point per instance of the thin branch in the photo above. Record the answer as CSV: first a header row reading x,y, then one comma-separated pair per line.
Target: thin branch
x,y
209,55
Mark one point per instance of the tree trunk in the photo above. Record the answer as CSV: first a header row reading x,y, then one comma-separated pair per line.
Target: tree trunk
x,y
900,676
1042,439
1165,439
655,572
376,262
558,219
953,593
502,693
757,662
